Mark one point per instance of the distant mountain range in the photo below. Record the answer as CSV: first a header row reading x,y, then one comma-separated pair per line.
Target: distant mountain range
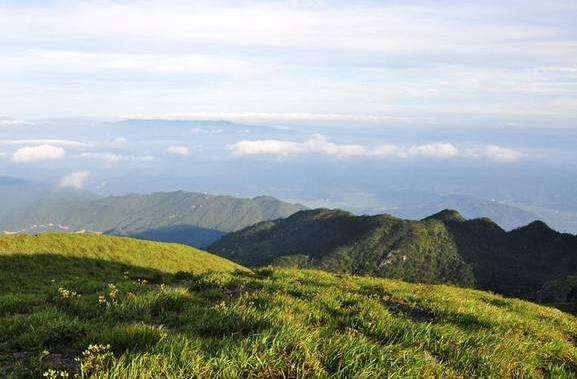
x,y
443,248
16,193
417,204
185,217
159,127
507,216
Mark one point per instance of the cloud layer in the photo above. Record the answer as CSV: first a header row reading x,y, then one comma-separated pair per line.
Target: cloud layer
x,y
364,60
318,144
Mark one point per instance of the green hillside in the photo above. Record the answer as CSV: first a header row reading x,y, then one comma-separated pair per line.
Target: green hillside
x,y
271,324
443,248
29,262
185,217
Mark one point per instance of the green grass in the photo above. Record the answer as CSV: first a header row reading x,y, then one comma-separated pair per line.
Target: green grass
x,y
269,323
29,263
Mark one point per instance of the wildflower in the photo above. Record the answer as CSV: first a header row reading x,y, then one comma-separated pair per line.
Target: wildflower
x,y
94,360
53,374
113,293
66,294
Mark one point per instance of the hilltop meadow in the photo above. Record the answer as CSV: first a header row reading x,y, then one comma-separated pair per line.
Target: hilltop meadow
x,y
106,307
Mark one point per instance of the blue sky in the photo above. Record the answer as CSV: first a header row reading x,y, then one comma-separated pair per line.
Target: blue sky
x,y
496,64
334,102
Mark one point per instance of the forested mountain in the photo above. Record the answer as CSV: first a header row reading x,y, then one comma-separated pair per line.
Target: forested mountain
x,y
443,248
192,218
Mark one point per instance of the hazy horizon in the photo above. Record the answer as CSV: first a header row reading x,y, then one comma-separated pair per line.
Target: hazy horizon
x,y
330,103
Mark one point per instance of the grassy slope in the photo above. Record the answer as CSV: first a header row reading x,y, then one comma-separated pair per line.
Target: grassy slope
x,y
30,262
280,323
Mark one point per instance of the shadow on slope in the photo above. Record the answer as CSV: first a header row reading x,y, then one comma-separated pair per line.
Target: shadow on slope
x,y
190,235
25,273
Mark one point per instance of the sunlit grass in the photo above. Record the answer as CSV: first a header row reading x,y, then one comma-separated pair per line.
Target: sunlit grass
x,y
284,323
29,262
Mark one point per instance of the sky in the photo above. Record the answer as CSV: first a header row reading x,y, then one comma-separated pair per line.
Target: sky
x,y
332,103
484,63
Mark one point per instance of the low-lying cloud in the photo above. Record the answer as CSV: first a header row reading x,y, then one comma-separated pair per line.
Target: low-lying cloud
x,y
319,144
178,150
108,157
113,157
75,179
38,153
495,152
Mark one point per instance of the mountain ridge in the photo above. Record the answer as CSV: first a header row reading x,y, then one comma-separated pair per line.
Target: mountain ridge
x,y
442,248
136,214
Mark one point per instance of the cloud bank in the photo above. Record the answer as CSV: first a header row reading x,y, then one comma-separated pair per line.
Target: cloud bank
x,y
319,144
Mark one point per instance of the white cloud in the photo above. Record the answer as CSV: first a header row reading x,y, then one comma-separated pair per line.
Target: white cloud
x,y
119,141
268,116
4,121
139,158
43,141
76,61
434,150
108,157
75,179
38,153
111,157
302,60
319,144
177,150
495,152
386,28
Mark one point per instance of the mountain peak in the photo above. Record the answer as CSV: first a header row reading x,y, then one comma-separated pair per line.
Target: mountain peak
x,y
447,215
537,226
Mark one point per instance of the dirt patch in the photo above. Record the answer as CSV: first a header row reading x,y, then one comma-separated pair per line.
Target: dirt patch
x,y
409,311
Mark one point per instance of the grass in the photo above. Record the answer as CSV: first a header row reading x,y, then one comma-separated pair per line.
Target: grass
x,y
271,323
28,263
